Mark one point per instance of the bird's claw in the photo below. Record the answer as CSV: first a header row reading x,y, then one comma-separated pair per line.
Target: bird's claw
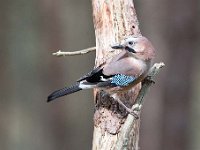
x,y
134,112
150,80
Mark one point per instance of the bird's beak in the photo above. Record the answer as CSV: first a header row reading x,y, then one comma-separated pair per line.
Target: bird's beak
x,y
130,49
117,46
122,46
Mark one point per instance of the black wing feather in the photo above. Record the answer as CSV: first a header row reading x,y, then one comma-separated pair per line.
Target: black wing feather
x,y
90,74
94,76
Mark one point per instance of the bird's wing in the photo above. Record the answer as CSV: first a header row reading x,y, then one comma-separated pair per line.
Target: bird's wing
x,y
124,71
120,71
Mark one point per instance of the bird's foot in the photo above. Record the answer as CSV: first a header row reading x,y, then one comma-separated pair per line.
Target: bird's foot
x,y
132,112
149,80
136,109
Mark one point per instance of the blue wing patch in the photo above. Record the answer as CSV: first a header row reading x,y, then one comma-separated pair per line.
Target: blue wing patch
x,y
122,80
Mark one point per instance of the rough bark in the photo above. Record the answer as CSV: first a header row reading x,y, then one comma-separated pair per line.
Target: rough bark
x,y
113,21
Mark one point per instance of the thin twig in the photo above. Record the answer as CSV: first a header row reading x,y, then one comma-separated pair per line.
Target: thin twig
x,y
128,125
80,52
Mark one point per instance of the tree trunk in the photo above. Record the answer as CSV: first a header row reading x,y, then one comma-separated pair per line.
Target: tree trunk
x,y
113,21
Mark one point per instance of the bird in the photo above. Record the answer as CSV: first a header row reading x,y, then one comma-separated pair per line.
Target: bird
x,y
120,73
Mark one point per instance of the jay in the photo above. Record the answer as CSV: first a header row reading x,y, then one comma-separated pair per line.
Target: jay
x,y
119,74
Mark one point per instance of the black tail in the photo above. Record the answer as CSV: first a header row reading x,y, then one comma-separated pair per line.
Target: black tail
x,y
64,91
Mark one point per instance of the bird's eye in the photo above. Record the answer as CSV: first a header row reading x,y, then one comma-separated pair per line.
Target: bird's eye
x,y
130,43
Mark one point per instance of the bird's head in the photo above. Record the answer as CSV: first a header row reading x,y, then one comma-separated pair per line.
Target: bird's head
x,y
140,47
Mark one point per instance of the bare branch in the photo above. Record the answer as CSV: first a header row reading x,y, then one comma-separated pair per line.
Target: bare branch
x,y
128,125
148,82
80,52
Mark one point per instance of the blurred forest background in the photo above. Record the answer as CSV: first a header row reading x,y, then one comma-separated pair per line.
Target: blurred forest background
x,y
31,30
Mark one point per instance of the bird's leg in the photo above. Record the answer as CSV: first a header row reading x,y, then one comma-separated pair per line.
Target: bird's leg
x,y
131,111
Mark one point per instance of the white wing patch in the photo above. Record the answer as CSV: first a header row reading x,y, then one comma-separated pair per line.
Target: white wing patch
x,y
86,85
104,79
